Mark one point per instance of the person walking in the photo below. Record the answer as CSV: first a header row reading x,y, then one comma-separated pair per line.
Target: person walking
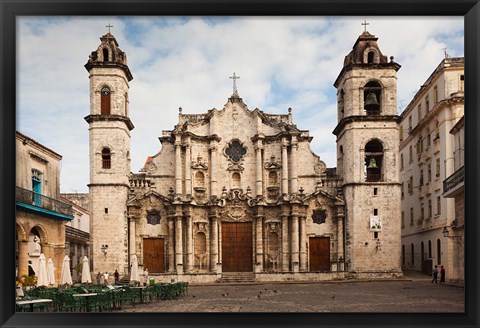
x,y
442,274
99,278
105,278
145,277
435,274
117,277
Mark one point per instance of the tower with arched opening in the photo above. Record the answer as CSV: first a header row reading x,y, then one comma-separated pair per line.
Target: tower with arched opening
x,y
367,142
109,134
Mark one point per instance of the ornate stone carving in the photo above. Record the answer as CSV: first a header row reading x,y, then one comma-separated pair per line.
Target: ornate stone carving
x,y
319,216
235,151
153,217
151,168
320,167
199,164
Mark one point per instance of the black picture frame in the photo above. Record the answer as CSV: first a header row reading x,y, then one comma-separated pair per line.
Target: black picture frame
x,y
470,9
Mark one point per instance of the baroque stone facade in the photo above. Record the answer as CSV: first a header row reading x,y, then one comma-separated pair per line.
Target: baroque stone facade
x,y
240,190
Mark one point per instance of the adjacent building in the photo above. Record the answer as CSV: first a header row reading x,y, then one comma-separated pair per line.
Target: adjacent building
x,y
41,214
77,233
429,154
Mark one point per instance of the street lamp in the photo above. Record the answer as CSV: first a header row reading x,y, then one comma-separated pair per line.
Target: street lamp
x,y
445,234
104,249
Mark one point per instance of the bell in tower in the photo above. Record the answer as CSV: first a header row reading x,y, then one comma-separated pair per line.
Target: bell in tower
x,y
371,104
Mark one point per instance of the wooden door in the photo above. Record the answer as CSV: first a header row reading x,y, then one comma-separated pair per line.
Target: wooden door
x,y
319,248
154,254
237,247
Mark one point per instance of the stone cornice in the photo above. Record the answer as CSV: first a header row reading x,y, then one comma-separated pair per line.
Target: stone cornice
x,y
109,118
364,118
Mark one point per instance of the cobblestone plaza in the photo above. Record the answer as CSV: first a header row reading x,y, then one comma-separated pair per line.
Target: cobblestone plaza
x,y
415,294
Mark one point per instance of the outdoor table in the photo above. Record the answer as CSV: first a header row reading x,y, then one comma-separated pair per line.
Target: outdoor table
x,y
87,296
32,302
141,289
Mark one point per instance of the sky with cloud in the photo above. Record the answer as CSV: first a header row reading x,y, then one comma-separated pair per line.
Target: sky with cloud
x,y
187,61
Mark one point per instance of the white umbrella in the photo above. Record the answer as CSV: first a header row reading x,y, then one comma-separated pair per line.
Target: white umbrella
x,y
50,272
134,276
66,275
86,276
42,271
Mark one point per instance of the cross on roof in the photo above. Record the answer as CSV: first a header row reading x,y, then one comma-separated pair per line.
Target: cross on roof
x,y
109,26
365,24
234,77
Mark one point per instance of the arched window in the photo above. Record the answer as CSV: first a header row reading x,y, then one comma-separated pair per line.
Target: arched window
x,y
199,180
371,56
422,250
429,249
106,158
236,180
372,93
105,101
272,178
439,252
413,254
105,55
373,161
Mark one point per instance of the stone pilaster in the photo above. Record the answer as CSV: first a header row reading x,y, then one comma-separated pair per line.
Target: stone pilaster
x,y
214,244
259,169
133,248
259,243
285,243
284,167
171,244
295,243
293,169
303,243
179,243
178,166
189,236
188,166
213,168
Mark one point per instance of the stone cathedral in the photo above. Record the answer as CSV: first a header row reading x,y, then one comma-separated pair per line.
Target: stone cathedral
x,y
237,193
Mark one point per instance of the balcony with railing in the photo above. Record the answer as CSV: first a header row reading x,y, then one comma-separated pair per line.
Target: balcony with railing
x,y
41,204
76,234
454,183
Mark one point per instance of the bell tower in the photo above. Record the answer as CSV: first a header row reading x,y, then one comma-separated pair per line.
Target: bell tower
x,y
109,136
367,159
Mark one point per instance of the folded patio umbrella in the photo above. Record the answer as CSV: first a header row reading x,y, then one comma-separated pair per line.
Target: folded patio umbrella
x,y
134,276
50,272
86,276
42,271
66,275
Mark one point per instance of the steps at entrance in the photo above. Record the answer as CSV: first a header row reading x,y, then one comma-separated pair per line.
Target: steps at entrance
x,y
237,277
125,280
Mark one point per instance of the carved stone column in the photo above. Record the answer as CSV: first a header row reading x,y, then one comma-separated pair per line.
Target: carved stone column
x,y
188,166
131,237
178,243
259,243
178,165
284,167
214,243
285,243
293,169
22,258
259,169
189,236
171,244
340,241
303,243
213,168
295,243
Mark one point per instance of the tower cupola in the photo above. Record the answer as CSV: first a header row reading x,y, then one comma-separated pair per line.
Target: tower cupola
x,y
108,54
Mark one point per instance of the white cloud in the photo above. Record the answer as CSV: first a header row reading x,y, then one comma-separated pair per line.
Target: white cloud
x,y
282,62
